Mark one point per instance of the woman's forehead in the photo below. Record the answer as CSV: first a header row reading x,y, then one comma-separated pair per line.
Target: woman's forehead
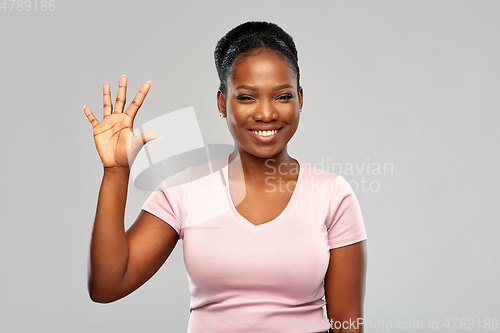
x,y
262,67
255,53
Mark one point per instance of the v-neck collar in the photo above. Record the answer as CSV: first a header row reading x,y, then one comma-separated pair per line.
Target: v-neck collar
x,y
277,219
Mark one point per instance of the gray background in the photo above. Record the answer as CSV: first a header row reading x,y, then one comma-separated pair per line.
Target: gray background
x,y
409,83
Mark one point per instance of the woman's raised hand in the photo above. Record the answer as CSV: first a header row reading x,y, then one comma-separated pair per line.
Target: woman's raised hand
x,y
113,136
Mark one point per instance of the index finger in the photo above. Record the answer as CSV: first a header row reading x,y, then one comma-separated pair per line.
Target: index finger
x,y
138,99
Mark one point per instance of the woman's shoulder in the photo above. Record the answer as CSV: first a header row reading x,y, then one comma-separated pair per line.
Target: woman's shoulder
x,y
194,173
313,172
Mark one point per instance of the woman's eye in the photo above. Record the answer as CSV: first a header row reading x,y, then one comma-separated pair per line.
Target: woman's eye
x,y
243,98
287,96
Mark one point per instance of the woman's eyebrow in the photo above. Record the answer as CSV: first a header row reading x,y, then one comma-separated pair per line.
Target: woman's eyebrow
x,y
243,86
246,87
283,86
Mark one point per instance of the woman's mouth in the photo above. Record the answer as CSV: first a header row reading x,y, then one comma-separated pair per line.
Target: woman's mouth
x,y
265,136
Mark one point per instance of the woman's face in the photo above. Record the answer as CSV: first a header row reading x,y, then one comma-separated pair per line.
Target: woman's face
x,y
262,95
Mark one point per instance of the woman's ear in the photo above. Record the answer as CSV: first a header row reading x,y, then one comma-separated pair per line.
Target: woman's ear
x,y
301,97
221,102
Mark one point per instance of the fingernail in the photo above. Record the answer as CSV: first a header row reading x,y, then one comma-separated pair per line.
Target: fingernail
x,y
149,82
84,106
124,75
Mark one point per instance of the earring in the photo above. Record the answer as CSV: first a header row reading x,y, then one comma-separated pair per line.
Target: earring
x,y
300,110
222,115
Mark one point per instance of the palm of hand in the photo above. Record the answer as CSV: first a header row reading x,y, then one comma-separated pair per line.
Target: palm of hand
x,y
113,136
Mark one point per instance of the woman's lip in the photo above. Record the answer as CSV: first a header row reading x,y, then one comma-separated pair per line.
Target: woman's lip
x,y
263,139
265,128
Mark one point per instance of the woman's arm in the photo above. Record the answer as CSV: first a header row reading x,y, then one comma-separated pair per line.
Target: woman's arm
x,y
120,261
345,287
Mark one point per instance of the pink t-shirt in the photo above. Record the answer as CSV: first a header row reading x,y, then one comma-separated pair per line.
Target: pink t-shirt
x,y
265,278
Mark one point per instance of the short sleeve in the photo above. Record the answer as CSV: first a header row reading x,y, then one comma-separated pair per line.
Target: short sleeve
x,y
166,201
345,223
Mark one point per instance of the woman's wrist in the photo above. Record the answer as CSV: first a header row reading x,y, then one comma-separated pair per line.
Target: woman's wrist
x,y
120,172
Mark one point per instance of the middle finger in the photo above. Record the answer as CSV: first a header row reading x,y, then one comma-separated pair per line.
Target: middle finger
x,y
121,94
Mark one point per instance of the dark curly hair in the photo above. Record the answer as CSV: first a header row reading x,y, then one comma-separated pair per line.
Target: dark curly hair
x,y
249,36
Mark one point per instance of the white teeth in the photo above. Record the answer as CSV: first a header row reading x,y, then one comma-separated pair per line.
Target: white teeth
x,y
265,133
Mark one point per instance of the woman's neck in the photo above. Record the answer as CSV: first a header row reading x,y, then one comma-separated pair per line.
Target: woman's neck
x,y
244,166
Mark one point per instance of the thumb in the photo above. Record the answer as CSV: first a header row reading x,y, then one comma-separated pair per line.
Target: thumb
x,y
135,144
149,136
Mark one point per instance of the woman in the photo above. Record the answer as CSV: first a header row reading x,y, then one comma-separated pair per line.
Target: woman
x,y
264,243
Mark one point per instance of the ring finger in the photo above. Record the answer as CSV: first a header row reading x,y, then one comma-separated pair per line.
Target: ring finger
x,y
107,107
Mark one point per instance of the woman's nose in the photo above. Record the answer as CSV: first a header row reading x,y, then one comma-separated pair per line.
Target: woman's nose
x,y
266,111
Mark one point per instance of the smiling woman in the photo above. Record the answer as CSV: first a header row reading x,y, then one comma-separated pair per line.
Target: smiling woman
x,y
266,240
262,106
